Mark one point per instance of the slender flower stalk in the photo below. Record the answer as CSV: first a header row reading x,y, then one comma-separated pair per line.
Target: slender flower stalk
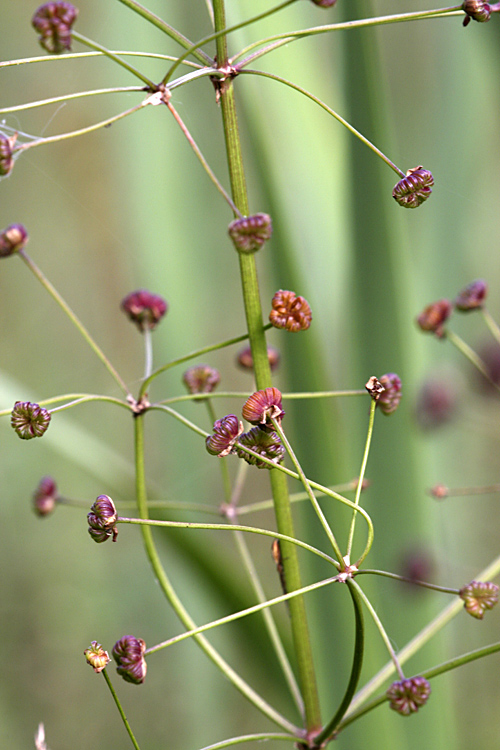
x,y
69,97
120,710
491,323
373,406
331,112
99,48
74,319
471,355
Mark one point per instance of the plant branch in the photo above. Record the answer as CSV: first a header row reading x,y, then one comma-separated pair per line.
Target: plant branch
x,y
120,709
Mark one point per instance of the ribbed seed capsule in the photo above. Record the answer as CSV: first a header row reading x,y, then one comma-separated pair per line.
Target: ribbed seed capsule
x,y
12,239
144,308
407,696
290,312
264,442
6,156
226,432
97,657
53,21
251,232
472,296
391,396
414,189
245,358
433,318
479,596
262,406
128,654
29,420
102,519
45,497
201,379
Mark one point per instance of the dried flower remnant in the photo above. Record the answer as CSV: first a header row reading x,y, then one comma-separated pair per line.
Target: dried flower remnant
x,y
245,358
201,379
144,309
6,154
476,10
479,596
12,239
389,400
407,696
54,21
472,296
374,388
102,519
29,420
433,318
226,432
264,442
290,312
128,653
97,657
262,406
251,232
414,189
45,497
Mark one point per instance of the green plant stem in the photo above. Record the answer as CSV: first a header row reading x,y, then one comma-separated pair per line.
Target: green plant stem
x,y
223,33
462,491
294,498
76,322
202,159
278,40
148,352
69,97
81,131
366,453
174,600
120,709
310,493
331,112
357,663
239,615
246,394
428,674
491,323
263,737
403,579
262,372
376,619
471,355
167,29
99,48
193,355
413,646
77,398
83,55
229,527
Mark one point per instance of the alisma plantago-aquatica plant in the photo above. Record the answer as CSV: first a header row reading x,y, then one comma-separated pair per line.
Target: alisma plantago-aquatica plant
x,y
265,445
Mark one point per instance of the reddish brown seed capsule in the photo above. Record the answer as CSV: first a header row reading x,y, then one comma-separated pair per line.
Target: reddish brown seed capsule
x,y
201,379
249,233
226,433
29,420
391,396
477,10
290,312
437,402
407,696
472,296
45,497
6,155
262,406
433,318
324,3
12,239
264,442
144,308
245,358
97,657
128,653
414,189
53,21
479,596
102,519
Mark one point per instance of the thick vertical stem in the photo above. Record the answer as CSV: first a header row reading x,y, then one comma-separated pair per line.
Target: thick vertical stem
x,y
253,312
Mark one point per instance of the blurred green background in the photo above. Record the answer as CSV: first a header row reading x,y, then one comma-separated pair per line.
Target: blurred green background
x,y
129,207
